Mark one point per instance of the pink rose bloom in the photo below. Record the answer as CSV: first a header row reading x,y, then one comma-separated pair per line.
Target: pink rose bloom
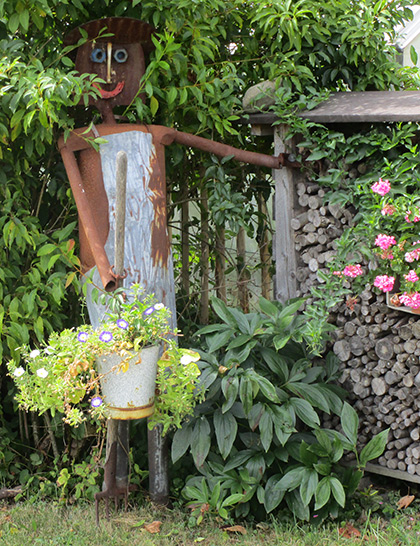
x,y
353,270
388,210
411,300
385,241
381,187
384,283
415,219
412,256
411,276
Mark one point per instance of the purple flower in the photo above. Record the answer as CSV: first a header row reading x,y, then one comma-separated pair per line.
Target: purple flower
x,y
96,402
105,336
123,324
149,310
82,336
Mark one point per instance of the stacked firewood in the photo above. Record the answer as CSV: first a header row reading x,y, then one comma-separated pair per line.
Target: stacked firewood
x,y
378,348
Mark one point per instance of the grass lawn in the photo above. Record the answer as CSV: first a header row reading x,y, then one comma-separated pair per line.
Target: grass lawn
x,y
48,524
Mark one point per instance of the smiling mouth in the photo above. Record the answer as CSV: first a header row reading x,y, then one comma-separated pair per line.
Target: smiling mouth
x,y
110,94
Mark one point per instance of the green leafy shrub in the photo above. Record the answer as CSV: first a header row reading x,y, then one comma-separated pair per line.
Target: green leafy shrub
x,y
257,439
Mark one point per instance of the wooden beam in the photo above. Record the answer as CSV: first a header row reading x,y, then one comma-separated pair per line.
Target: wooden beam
x,y
284,244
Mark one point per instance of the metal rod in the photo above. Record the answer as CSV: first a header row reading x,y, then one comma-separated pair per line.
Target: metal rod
x,y
121,192
118,431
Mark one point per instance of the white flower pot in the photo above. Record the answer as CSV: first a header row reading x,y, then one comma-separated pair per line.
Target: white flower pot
x,y
130,394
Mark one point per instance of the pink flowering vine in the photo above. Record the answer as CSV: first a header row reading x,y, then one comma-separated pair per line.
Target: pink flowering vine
x,y
412,256
353,270
411,300
382,187
384,283
411,276
414,219
385,241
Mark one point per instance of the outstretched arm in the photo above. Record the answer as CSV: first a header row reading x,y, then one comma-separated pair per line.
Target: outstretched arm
x,y
86,217
223,150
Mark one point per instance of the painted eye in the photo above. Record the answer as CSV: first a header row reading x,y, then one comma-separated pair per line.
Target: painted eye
x,y
98,55
120,55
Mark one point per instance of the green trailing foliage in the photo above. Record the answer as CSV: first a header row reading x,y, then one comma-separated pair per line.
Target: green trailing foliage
x,y
354,162
258,440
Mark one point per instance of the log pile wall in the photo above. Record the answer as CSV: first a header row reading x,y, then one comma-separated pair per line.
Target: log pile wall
x,y
378,348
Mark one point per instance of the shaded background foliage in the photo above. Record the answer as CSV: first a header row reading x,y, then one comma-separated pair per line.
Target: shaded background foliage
x,y
207,54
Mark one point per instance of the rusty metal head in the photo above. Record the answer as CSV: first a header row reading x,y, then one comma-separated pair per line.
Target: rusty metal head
x,y
115,51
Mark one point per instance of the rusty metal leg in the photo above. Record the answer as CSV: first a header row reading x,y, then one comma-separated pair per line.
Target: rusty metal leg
x,y
158,466
123,446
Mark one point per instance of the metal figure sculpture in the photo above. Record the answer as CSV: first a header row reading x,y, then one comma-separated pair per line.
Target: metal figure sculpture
x,y
118,57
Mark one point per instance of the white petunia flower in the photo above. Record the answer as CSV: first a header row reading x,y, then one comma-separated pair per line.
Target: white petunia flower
x,y
42,372
158,306
18,372
34,353
187,359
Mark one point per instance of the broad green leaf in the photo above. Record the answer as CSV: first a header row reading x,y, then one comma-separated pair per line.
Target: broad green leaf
x,y
308,485
266,430
273,493
296,506
338,491
219,340
246,394
374,448
154,105
223,312
200,441
239,341
230,387
292,479
233,499
281,340
349,423
311,394
225,428
322,493
305,412
181,442
239,459
276,363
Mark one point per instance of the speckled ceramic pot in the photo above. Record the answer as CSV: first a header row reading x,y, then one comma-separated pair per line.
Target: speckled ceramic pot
x,y
130,394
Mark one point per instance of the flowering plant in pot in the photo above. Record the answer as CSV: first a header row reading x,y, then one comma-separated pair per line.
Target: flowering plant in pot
x,y
395,246
66,375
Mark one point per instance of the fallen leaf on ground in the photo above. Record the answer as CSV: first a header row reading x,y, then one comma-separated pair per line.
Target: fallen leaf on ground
x,y
153,527
236,529
349,531
405,501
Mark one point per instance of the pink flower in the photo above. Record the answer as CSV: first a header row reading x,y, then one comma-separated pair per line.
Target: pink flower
x,y
415,219
385,241
382,187
412,255
384,283
411,300
388,210
411,276
338,273
353,270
